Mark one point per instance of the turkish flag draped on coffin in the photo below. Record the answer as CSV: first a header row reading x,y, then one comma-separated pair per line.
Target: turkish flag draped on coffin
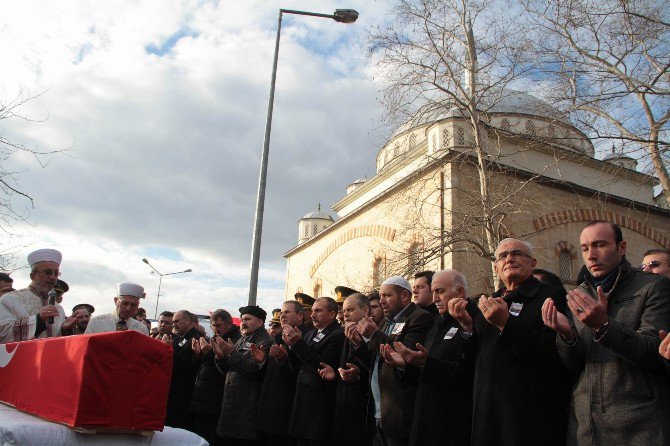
x,y
114,380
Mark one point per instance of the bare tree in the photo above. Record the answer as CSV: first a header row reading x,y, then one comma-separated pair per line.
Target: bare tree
x,y
456,58
12,210
608,63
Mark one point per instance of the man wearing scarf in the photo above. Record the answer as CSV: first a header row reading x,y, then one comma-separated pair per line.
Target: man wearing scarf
x,y
611,342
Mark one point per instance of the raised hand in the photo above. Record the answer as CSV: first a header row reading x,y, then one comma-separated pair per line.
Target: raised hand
x,y
391,356
290,334
456,307
592,313
367,327
555,320
166,339
279,353
195,347
495,311
222,347
326,372
258,354
415,357
351,373
351,332
204,345
664,348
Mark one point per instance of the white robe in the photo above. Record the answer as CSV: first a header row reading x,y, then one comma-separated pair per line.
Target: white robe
x,y
106,323
19,311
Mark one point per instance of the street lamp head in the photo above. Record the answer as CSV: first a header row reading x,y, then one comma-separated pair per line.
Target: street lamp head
x,y
345,15
188,270
145,261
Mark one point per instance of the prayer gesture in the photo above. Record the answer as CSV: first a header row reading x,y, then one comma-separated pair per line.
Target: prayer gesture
x,y
290,334
391,356
258,354
367,327
278,352
495,311
195,347
166,339
204,345
456,307
351,373
222,347
351,332
555,320
417,358
326,372
664,348
592,313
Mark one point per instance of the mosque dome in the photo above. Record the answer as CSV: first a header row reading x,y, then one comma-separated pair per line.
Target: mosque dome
x,y
313,223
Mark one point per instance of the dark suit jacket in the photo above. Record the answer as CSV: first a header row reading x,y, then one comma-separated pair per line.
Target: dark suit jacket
x,y
184,371
521,388
398,390
314,402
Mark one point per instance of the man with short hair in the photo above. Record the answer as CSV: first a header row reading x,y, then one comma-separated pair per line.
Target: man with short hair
x,y
520,388
376,310
353,421
622,394
141,314
445,363
423,297
127,301
184,370
6,283
393,393
244,378
657,261
26,313
205,404
165,325
341,293
82,314
276,400
313,406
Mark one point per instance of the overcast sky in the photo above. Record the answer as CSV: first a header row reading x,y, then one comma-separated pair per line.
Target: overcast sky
x,y
163,105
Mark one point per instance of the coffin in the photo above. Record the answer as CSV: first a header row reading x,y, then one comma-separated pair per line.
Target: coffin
x,y
105,381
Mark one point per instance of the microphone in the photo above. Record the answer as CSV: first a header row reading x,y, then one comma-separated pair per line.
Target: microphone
x,y
52,301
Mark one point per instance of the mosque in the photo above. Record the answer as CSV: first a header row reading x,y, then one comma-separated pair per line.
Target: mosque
x,y
423,207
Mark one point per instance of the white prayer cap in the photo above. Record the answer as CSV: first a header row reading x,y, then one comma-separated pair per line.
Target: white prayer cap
x,y
398,281
44,255
130,289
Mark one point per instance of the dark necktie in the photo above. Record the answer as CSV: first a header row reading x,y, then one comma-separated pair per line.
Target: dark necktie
x,y
121,325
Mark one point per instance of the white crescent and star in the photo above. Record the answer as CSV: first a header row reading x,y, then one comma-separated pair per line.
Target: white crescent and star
x,y
6,356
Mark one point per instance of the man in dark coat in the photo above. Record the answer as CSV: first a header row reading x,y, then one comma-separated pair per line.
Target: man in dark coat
x,y
314,403
184,370
353,423
276,400
306,301
423,296
521,387
393,392
443,409
622,395
244,378
207,394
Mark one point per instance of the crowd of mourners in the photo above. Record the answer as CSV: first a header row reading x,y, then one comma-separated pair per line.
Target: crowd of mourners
x,y
422,363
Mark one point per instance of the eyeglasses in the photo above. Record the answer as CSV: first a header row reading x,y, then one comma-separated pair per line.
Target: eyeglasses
x,y
652,264
48,272
129,303
515,253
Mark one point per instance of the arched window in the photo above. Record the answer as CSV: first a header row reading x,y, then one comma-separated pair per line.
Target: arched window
x,y
565,265
317,290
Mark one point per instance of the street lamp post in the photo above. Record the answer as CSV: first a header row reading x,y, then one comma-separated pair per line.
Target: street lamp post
x,y
341,16
160,281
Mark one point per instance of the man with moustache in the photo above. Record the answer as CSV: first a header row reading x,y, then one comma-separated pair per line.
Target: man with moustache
x,y
126,302
244,378
164,325
392,391
311,420
656,261
25,313
184,370
443,409
205,403
353,422
276,400
520,385
82,314
622,395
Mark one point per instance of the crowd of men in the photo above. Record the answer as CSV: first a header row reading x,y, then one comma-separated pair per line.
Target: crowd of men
x,y
421,363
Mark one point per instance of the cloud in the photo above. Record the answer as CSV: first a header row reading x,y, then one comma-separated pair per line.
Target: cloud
x,y
165,105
